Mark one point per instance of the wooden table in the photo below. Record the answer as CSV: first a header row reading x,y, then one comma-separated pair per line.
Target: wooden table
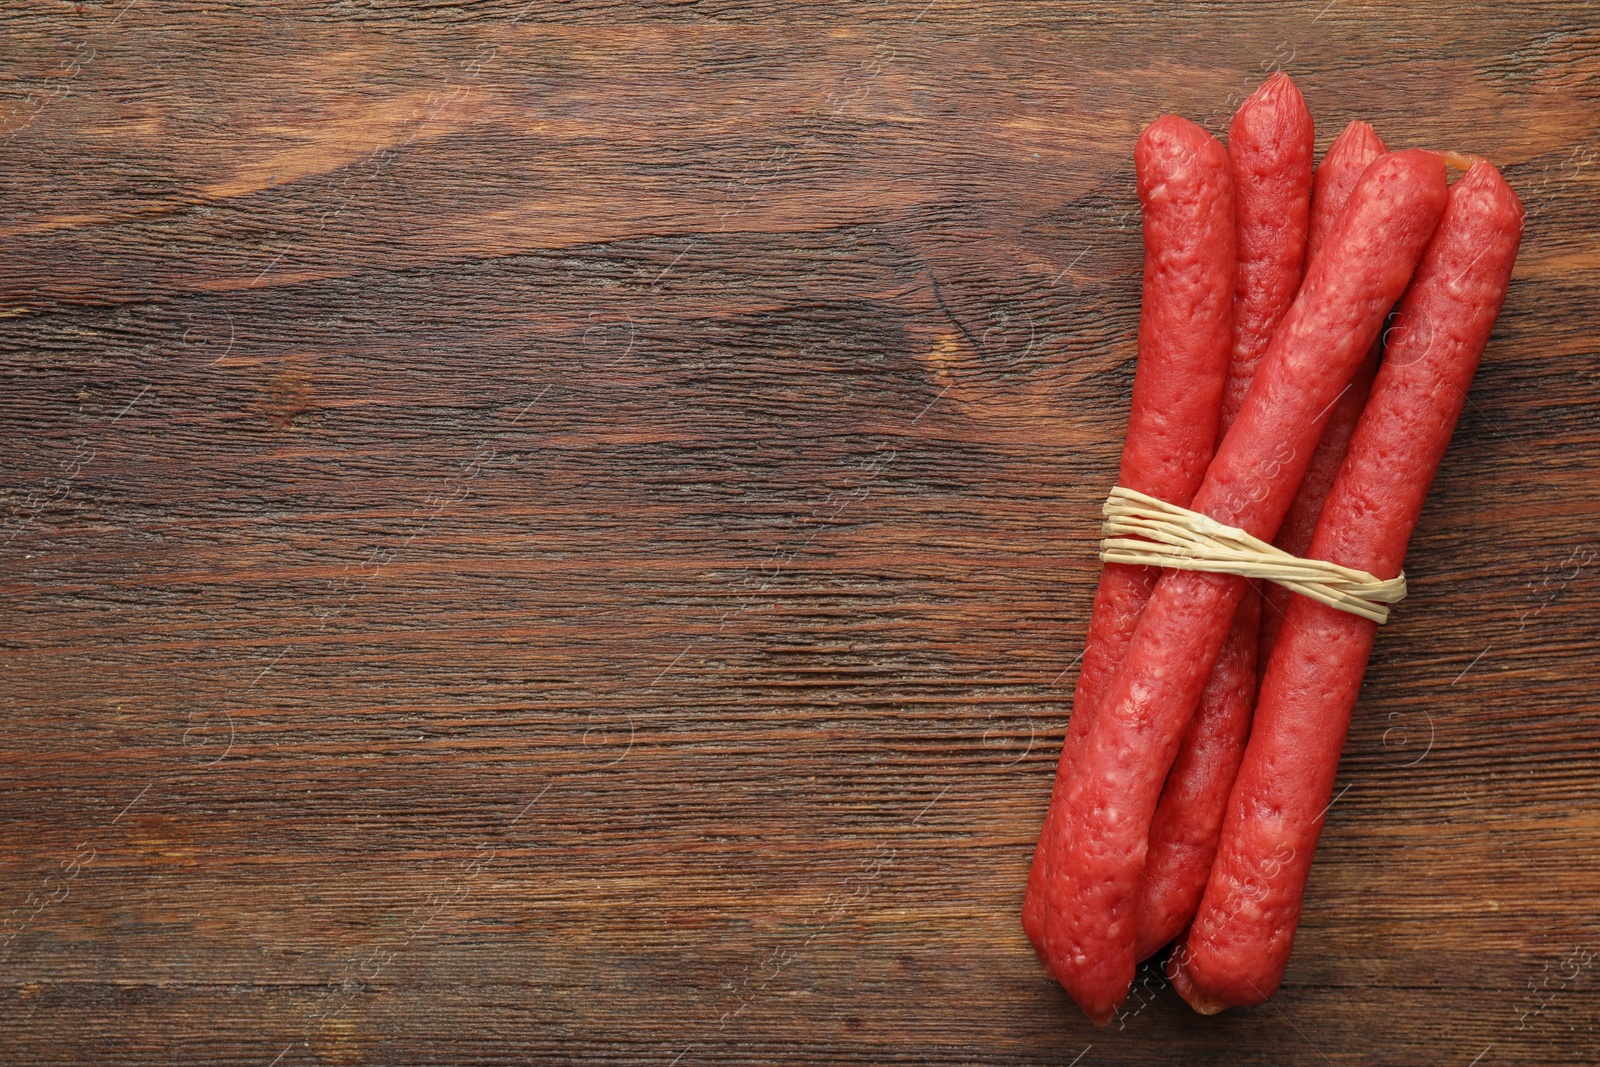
x,y
555,532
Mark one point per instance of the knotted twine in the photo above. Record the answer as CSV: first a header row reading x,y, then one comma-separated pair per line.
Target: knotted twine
x,y
1147,532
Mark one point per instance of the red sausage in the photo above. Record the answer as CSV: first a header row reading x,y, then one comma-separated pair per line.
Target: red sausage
x,y
1347,158
1188,819
1112,787
1337,175
1270,147
1184,330
1184,335
1236,950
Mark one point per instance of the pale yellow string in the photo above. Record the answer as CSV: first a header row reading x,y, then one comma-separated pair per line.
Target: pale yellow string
x,y
1147,532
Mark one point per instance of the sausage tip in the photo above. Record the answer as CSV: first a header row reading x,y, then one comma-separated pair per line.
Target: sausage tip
x,y
1190,992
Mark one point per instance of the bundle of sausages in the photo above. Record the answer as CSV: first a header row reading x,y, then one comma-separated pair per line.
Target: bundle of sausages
x,y
1190,797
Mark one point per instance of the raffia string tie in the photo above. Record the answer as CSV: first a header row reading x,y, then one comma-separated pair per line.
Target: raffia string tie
x,y
1147,532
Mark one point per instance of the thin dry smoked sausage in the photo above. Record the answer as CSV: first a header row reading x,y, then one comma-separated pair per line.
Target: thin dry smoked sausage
x,y
1184,343
1184,338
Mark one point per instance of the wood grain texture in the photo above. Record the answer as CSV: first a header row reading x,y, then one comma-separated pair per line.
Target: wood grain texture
x,y
539,533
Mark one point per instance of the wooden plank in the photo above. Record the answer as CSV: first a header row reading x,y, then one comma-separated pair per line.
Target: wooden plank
x,y
538,533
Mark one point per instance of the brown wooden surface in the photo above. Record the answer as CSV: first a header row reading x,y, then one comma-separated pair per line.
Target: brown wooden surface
x,y
560,532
